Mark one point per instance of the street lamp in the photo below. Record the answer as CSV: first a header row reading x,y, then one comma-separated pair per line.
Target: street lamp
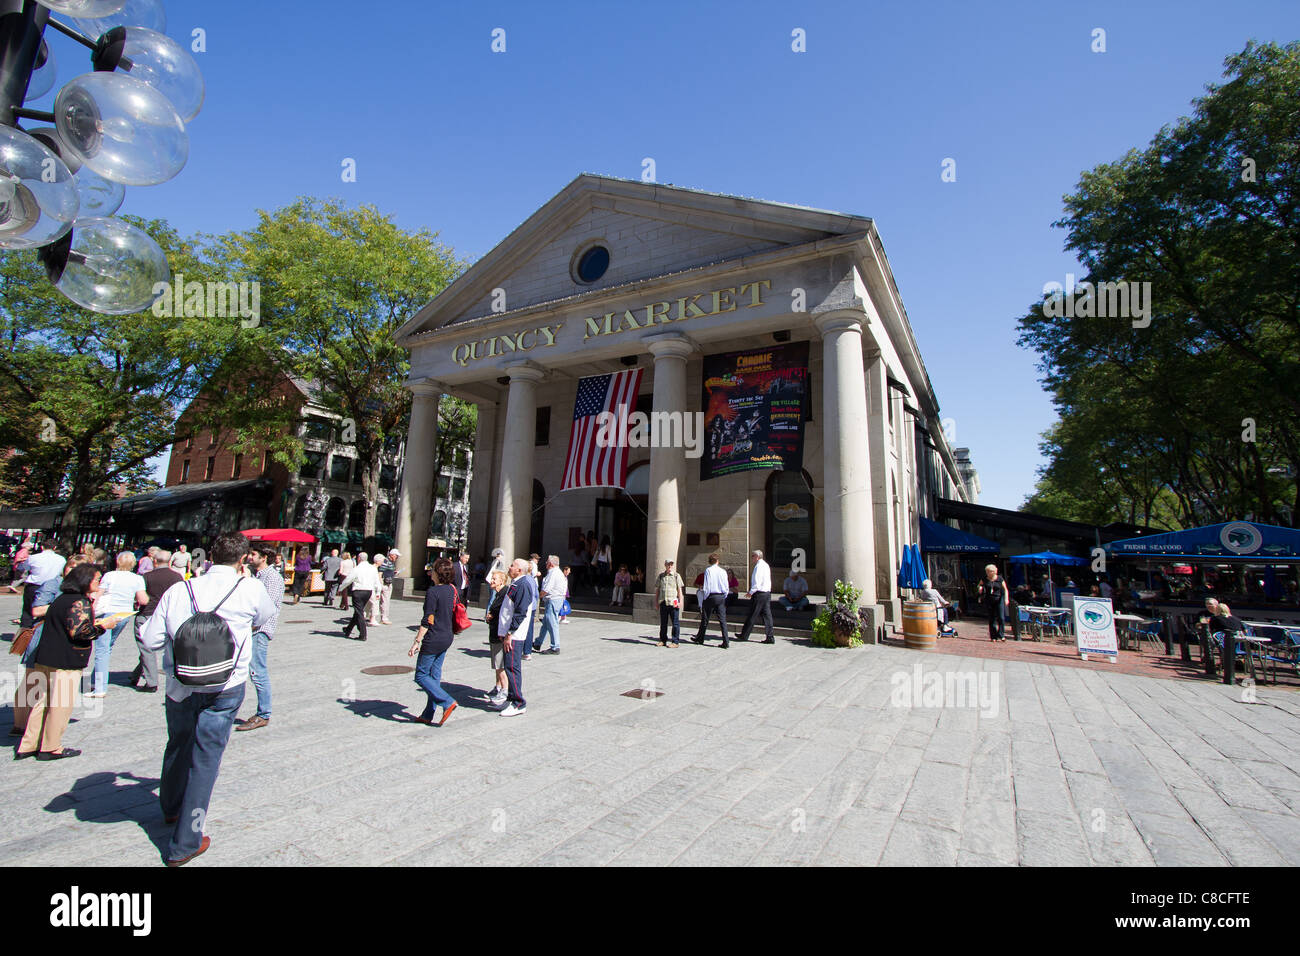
x,y
122,124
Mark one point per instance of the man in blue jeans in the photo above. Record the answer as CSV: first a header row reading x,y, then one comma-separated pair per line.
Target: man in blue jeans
x,y
262,563
199,718
555,588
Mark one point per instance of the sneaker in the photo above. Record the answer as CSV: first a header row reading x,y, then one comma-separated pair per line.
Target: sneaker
x,y
553,650
513,711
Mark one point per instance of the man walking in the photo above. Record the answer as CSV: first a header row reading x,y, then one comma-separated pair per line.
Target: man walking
x,y
555,588
460,577
669,592
156,584
387,571
364,581
513,623
712,596
329,571
760,598
42,567
262,561
199,718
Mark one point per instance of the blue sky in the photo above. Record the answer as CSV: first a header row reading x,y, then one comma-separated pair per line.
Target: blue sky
x,y
448,135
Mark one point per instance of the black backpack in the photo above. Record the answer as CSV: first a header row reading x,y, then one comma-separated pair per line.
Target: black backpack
x,y
203,649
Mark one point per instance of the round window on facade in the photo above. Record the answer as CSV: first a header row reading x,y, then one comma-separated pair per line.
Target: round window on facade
x,y
590,264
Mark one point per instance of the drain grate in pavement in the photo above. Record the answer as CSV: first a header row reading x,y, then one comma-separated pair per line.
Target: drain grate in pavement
x,y
642,693
384,670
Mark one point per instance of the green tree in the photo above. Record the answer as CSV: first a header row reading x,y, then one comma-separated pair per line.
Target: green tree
x,y
1195,410
91,398
336,284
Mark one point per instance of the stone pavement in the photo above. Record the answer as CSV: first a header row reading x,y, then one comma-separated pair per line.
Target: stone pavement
x,y
784,754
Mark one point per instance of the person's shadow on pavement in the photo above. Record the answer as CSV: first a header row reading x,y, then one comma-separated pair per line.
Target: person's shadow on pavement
x,y
136,801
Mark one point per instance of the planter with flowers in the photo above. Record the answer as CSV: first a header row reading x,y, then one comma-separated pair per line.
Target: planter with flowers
x,y
840,622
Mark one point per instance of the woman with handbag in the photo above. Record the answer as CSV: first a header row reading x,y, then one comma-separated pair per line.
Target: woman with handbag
x,y
45,596
433,640
67,639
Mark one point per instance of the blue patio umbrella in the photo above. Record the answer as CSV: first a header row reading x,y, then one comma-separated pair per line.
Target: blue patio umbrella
x,y
911,572
1047,558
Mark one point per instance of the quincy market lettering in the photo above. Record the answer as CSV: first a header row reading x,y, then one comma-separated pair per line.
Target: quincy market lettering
x,y
644,317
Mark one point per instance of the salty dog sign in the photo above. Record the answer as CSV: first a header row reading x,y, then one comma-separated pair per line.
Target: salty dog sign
x,y
1094,628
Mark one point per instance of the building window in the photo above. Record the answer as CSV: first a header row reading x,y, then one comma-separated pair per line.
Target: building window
x,y
589,264
212,439
444,486
312,467
189,443
383,519
318,429
790,519
458,488
387,477
356,473
185,471
335,512
543,435
207,471
462,458
438,524
340,468
357,516
239,465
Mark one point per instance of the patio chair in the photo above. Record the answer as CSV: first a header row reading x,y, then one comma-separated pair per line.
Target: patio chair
x,y
1059,622
1026,623
1216,648
1284,648
1150,631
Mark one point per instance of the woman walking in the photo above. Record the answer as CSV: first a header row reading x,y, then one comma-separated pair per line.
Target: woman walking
x,y
346,567
301,574
993,593
67,637
433,640
121,592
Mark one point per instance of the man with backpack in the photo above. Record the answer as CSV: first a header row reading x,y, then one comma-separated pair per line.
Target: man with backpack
x,y
204,627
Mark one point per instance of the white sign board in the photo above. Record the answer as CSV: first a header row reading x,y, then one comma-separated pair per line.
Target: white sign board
x,y
1094,628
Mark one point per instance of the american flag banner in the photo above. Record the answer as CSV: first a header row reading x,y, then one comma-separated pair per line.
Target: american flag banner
x,y
593,461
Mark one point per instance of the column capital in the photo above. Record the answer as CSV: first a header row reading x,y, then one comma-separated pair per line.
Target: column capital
x,y
670,345
424,387
525,371
841,320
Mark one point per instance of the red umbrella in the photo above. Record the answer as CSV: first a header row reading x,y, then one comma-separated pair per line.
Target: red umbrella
x,y
278,534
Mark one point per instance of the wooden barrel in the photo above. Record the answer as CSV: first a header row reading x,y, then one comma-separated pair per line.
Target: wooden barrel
x,y
920,625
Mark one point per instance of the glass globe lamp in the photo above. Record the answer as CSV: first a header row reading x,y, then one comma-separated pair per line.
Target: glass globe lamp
x,y
38,199
108,266
122,128
156,59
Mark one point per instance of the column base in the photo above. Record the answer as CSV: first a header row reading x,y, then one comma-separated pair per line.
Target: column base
x,y
876,612
644,610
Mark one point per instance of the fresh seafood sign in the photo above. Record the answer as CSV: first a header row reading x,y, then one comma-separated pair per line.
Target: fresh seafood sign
x,y
1094,628
755,405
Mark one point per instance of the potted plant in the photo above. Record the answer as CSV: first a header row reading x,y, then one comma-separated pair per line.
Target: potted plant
x,y
840,622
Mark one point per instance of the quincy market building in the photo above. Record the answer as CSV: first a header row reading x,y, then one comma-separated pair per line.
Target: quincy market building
x,y
614,274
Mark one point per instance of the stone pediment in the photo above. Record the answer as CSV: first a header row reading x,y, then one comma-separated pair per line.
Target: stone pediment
x,y
649,230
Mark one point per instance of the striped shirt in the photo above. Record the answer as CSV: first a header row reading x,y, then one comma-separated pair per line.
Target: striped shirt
x,y
273,580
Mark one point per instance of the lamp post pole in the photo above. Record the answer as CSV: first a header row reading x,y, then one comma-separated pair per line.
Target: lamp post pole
x,y
22,25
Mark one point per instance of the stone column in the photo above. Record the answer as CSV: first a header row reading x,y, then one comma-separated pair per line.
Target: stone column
x,y
667,465
416,501
482,513
889,548
515,492
850,547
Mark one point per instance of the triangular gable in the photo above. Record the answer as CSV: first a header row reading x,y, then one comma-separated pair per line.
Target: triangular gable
x,y
651,229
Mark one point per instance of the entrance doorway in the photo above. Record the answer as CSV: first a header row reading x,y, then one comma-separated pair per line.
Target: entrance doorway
x,y
624,520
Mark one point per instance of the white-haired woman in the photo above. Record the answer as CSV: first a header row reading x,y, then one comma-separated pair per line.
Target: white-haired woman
x,y
120,591
996,600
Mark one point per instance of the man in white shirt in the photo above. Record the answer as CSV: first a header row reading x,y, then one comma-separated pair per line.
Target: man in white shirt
x,y
760,598
199,719
712,596
795,596
364,581
42,567
555,588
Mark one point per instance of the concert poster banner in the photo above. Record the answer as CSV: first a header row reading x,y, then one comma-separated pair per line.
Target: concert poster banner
x,y
755,403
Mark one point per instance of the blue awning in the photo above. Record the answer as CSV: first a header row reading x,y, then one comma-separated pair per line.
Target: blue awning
x,y
940,537
1230,541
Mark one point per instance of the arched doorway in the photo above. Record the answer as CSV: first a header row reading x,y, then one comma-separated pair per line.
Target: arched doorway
x,y
790,519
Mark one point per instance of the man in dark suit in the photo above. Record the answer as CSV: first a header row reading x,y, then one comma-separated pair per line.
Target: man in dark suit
x,y
516,633
460,577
